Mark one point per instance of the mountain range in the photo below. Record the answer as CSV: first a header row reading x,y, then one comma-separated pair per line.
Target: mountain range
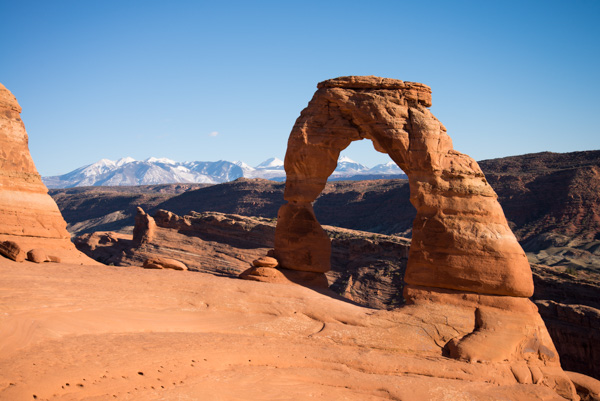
x,y
153,171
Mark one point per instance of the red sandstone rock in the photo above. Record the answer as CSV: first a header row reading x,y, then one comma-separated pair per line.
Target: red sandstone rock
x,y
54,259
461,239
150,264
463,253
144,229
587,387
164,263
285,276
37,256
28,215
12,250
265,261
300,241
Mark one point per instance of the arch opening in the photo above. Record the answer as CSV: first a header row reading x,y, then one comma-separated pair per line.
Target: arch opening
x,y
355,197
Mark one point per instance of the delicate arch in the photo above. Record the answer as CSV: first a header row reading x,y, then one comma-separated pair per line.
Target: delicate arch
x,y
461,239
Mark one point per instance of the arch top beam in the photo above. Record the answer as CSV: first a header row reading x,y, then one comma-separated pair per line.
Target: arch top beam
x,y
410,90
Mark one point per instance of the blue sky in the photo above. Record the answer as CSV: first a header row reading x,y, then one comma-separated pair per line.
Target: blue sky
x,y
200,80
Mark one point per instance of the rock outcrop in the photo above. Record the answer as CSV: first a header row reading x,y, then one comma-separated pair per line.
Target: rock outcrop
x,y
28,215
366,267
461,239
144,229
463,252
12,251
40,256
164,263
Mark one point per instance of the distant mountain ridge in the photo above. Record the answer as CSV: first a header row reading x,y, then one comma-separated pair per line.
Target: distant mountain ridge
x,y
153,171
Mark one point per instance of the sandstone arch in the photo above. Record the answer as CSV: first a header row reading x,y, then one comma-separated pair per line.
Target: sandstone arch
x,y
461,240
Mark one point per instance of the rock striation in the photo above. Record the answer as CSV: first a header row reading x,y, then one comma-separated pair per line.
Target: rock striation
x,y
29,217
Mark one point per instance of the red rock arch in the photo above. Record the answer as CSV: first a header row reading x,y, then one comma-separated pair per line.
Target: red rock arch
x,y
461,240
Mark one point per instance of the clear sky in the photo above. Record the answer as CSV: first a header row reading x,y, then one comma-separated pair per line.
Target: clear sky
x,y
208,80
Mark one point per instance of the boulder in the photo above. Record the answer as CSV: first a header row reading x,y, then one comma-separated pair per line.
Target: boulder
x,y
164,263
12,250
265,261
38,255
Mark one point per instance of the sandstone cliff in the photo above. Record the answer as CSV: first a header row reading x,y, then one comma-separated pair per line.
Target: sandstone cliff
x,y
29,217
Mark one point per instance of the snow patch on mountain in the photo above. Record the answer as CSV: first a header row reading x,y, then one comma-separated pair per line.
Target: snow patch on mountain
x,y
387,168
162,160
271,164
347,166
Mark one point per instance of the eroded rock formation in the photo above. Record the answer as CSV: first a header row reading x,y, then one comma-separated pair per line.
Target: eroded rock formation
x,y
28,215
144,229
463,252
365,267
164,263
461,240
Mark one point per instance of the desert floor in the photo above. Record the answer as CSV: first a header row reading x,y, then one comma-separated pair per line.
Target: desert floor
x,y
71,332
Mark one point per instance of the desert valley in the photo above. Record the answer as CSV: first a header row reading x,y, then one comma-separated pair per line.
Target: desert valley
x,y
464,281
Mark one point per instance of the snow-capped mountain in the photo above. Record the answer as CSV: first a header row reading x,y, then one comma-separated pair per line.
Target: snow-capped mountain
x,y
245,168
156,160
271,164
347,166
271,169
387,168
219,171
128,171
